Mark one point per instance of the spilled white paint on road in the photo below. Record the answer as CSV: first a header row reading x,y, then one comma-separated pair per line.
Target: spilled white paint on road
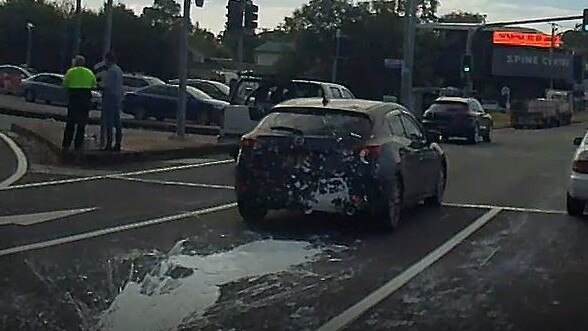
x,y
36,218
163,302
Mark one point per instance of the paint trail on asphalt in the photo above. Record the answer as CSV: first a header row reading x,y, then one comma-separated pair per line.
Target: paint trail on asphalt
x,y
351,314
116,229
517,209
36,218
132,173
22,163
171,183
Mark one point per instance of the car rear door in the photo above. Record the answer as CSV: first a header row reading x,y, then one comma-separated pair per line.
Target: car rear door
x,y
427,169
410,158
55,91
484,118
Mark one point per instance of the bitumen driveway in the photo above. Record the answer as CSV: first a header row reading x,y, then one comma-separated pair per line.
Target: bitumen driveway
x,y
162,247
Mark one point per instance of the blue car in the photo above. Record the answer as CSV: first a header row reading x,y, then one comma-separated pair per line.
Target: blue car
x,y
161,101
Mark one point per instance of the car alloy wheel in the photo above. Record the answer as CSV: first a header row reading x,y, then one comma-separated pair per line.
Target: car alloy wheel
x,y
387,217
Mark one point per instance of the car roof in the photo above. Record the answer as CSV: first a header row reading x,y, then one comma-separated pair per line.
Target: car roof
x,y
48,74
368,107
453,99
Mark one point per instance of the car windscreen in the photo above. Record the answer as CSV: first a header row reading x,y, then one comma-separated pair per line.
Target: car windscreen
x,y
449,106
308,90
310,122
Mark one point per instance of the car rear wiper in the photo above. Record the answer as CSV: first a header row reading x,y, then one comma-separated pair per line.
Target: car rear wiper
x,y
288,129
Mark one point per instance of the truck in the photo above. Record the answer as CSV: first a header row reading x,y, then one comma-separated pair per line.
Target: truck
x,y
552,111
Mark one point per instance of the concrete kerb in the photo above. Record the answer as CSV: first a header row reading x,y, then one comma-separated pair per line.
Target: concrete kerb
x,y
126,122
98,158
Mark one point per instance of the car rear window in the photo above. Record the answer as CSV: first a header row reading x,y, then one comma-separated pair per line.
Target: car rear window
x,y
319,123
449,106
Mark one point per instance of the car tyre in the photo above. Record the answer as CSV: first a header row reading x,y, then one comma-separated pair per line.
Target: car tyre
x,y
388,216
250,211
488,135
29,96
474,137
437,199
140,114
575,206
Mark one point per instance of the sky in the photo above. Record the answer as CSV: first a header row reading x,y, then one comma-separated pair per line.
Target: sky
x,y
272,12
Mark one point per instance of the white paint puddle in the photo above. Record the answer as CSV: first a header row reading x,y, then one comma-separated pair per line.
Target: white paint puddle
x,y
160,302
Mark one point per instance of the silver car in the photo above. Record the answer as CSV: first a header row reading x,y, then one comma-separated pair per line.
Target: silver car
x,y
48,87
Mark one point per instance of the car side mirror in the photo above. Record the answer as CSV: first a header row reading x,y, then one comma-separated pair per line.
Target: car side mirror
x,y
255,114
578,141
433,136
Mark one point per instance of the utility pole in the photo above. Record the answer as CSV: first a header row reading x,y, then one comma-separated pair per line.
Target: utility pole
x,y
108,11
552,45
77,29
241,36
30,27
337,55
409,41
183,72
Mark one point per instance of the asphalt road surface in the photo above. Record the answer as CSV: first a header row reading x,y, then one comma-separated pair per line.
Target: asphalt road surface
x,y
8,160
161,247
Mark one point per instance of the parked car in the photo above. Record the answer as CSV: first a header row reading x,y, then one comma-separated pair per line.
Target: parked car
x,y
49,88
577,194
459,117
345,156
11,78
216,90
133,82
160,101
253,97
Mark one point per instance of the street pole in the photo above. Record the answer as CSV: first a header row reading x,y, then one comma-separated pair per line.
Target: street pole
x,y
409,41
241,36
183,72
108,11
30,28
337,55
77,29
551,56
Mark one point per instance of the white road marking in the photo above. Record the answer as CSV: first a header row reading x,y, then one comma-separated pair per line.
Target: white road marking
x,y
35,218
120,228
22,164
163,182
524,210
132,173
351,314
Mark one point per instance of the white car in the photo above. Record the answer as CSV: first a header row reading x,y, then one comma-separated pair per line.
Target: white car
x,y
578,186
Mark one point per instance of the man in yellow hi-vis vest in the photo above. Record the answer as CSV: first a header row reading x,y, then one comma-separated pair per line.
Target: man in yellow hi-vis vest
x,y
79,82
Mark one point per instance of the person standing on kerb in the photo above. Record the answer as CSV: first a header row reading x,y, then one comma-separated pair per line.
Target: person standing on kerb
x,y
79,82
112,94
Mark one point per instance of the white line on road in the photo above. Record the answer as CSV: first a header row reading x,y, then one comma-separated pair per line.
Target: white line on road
x,y
121,228
21,166
524,210
35,218
133,173
163,182
351,314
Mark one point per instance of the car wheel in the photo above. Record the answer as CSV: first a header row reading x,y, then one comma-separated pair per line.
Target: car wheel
x,y
30,96
250,211
140,114
575,206
388,217
474,137
488,135
437,199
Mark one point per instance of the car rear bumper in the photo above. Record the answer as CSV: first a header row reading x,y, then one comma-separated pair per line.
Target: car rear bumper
x,y
449,129
578,186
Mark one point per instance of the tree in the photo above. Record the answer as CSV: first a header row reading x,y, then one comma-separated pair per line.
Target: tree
x,y
463,17
163,13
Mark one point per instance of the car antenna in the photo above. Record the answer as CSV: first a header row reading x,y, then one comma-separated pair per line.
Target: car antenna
x,y
325,101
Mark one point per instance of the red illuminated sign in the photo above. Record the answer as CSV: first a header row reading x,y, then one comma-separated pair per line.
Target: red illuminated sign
x,y
524,39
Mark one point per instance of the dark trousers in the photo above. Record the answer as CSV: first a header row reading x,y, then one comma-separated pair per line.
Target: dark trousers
x,y
78,110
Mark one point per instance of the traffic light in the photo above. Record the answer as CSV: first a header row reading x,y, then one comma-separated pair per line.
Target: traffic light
x,y
251,16
585,21
234,15
466,64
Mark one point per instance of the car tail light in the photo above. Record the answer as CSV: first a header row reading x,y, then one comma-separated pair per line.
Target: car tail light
x,y
248,142
370,153
580,164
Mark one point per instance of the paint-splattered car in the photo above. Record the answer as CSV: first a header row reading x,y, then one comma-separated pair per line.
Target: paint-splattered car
x,y
343,156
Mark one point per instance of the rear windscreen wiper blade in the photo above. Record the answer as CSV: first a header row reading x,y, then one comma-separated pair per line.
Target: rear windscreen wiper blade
x,y
287,128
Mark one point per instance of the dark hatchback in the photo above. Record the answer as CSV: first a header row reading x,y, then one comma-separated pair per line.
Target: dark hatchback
x,y
348,156
459,117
